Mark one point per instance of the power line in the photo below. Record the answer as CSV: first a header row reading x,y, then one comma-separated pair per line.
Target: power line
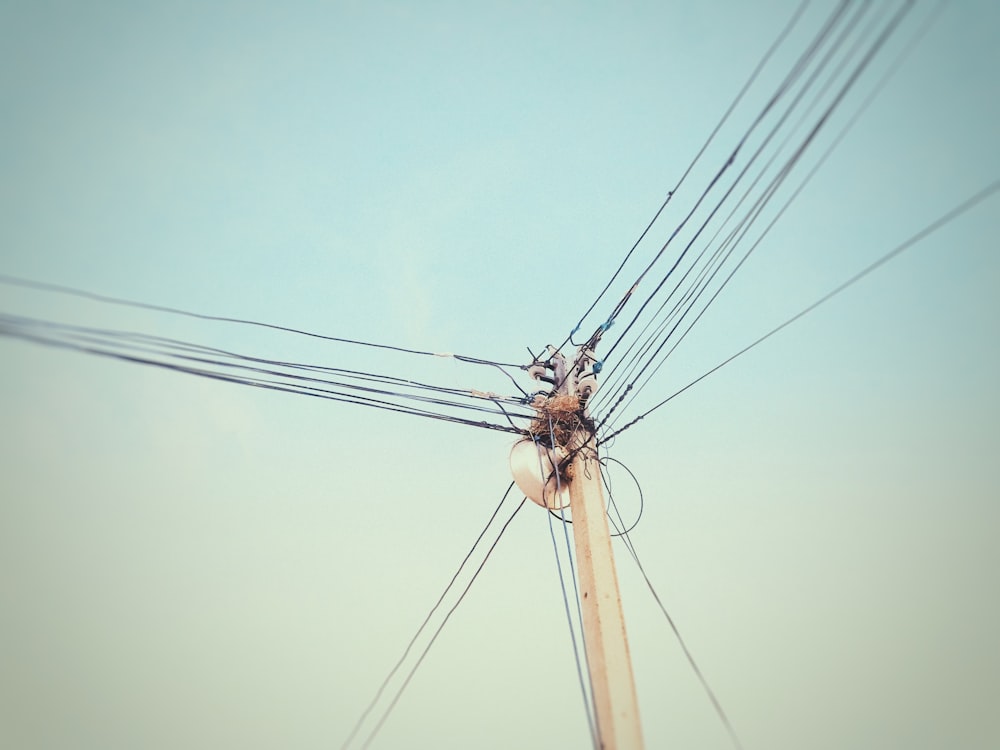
x,y
797,69
788,83
91,344
872,95
621,528
906,245
125,355
84,294
587,698
572,635
768,194
801,67
725,116
716,704
722,253
437,632
630,546
169,347
427,619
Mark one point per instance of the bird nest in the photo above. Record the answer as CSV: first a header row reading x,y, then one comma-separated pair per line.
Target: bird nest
x,y
560,419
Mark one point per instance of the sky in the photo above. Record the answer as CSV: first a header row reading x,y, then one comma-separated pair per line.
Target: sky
x,y
187,563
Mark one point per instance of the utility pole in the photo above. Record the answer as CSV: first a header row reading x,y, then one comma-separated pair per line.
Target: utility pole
x,y
605,640
604,635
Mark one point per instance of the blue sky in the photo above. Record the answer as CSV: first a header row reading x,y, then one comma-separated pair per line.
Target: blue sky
x,y
184,562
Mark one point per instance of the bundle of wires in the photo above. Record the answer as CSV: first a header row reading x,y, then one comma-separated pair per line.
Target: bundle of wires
x,y
731,212
396,393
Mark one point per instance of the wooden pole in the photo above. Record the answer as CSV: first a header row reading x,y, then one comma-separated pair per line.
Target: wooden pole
x,y
603,622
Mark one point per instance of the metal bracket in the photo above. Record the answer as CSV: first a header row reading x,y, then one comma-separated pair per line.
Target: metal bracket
x,y
574,377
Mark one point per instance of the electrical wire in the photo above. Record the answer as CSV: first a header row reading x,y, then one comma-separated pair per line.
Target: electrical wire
x,y
21,332
427,619
437,632
788,84
707,272
630,546
106,299
872,95
670,194
769,193
937,224
798,68
168,347
297,383
572,632
621,530
716,704
620,526
813,50
590,710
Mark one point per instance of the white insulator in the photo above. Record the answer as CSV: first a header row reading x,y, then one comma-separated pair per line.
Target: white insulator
x,y
587,385
533,467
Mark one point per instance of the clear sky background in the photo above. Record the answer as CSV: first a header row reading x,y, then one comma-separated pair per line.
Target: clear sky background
x,y
185,563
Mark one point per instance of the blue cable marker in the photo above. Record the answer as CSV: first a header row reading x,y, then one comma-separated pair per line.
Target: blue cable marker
x,y
598,366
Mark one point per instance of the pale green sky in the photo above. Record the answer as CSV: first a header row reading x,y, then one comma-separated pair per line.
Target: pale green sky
x,y
189,564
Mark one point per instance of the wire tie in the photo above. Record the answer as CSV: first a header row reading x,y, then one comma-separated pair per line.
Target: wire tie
x,y
485,394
